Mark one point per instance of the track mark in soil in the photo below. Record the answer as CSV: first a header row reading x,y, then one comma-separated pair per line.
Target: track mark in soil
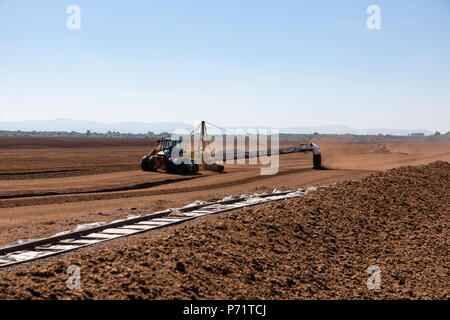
x,y
139,186
37,172
127,192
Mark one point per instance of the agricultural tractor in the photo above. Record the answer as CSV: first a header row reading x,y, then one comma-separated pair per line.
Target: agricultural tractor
x,y
169,155
161,158
382,148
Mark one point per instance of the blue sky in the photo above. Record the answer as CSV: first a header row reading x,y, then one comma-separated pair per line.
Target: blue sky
x,y
230,62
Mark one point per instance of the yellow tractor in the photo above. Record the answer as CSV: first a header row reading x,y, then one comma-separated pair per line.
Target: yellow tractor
x,y
169,155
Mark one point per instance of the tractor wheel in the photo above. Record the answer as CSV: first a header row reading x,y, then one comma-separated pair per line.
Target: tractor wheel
x,y
170,166
151,164
144,164
183,168
148,164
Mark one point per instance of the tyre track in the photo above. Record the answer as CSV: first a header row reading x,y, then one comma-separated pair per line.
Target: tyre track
x,y
116,193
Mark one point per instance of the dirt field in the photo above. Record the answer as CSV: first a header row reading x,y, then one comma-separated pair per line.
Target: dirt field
x,y
313,247
48,185
309,248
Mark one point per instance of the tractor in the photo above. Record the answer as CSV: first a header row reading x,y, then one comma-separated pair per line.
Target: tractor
x,y
161,158
382,149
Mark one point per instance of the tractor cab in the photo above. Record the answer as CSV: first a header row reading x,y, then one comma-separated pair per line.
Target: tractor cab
x,y
167,144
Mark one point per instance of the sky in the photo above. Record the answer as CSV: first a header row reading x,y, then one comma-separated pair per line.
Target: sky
x,y
230,62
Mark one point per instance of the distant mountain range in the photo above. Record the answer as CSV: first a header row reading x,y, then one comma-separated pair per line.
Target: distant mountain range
x,y
158,127
339,129
83,126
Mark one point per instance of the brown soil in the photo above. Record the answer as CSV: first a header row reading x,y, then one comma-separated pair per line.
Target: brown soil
x,y
48,157
49,185
314,247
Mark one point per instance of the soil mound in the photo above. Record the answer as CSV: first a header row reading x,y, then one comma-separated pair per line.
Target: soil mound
x,y
315,247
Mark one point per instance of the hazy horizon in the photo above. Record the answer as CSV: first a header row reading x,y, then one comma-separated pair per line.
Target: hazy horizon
x,y
65,124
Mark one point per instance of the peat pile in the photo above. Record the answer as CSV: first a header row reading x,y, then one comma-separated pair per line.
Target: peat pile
x,y
316,246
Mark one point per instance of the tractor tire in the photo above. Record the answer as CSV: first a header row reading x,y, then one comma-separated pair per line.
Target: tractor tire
x,y
181,169
170,166
151,164
148,164
144,164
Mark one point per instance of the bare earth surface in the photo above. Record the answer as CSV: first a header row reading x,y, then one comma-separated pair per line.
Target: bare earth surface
x,y
49,185
313,247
